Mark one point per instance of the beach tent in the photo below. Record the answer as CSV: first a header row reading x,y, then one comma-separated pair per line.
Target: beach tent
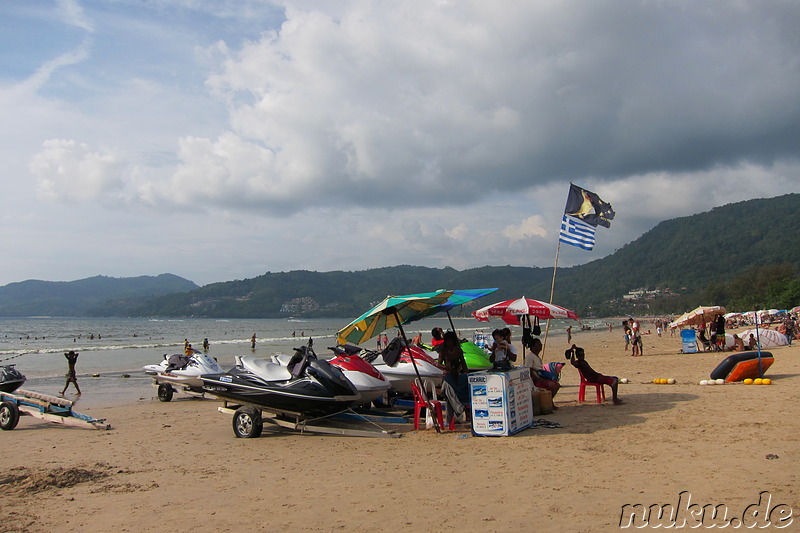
x,y
768,337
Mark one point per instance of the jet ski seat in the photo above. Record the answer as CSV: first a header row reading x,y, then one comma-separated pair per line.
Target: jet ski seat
x,y
265,369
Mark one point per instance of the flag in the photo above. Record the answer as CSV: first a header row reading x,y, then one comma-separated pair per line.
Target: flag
x,y
576,233
588,207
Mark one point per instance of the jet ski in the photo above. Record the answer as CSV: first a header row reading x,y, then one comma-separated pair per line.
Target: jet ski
x,y
306,386
10,378
475,356
369,382
182,371
395,363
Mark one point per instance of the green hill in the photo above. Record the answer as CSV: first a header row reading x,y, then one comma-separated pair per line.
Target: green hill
x,y
78,298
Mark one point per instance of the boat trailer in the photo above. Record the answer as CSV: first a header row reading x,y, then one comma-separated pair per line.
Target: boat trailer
x,y
248,422
51,408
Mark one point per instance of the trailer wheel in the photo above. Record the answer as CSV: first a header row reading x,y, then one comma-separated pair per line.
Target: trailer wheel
x,y
9,416
165,392
247,423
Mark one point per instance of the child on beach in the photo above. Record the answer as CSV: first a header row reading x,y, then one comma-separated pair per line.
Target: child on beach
x,y
576,358
501,355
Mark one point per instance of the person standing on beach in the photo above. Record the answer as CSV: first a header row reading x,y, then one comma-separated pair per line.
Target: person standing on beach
x,y
636,337
789,326
569,334
253,342
72,358
451,360
205,344
627,334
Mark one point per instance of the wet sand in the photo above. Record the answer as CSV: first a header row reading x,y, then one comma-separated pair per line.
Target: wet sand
x,y
177,466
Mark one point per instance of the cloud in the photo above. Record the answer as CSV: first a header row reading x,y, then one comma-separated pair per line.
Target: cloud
x,y
67,170
426,101
72,13
531,226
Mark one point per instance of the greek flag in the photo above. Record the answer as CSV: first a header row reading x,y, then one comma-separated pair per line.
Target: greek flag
x,y
576,233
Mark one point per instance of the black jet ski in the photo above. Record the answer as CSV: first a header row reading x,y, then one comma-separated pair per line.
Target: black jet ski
x,y
10,378
306,386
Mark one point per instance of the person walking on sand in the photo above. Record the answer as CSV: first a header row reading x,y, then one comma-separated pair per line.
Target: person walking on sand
x,y
72,358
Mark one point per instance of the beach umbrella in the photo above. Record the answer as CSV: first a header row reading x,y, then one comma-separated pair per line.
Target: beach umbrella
x,y
510,311
795,310
392,312
459,297
698,316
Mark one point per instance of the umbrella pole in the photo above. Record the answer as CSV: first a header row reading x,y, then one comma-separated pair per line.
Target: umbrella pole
x,y
414,362
552,293
452,327
758,348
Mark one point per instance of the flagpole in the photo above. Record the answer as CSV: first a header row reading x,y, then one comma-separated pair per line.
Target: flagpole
x,y
552,292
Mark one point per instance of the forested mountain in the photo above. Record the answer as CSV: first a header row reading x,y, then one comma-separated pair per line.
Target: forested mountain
x,y
327,294
743,254
77,298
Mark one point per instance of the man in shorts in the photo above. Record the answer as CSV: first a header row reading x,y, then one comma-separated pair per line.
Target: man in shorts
x,y
534,362
576,357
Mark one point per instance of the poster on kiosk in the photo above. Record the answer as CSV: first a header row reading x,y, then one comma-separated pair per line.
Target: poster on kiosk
x,y
501,402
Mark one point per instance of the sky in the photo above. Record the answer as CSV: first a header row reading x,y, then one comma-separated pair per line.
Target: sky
x,y
223,139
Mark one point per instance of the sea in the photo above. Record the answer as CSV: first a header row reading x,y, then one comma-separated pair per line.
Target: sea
x,y
112,351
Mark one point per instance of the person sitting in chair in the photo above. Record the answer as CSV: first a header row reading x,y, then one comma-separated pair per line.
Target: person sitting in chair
x,y
576,357
538,376
702,338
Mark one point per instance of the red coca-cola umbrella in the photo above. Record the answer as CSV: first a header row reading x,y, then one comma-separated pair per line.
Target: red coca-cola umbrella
x,y
510,311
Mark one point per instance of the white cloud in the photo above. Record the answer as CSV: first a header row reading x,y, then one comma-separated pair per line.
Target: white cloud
x,y
458,232
67,170
73,14
531,226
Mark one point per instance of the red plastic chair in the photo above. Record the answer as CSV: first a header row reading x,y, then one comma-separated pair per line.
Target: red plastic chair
x,y
601,393
420,404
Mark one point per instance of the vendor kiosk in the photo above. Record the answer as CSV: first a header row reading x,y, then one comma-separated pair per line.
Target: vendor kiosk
x,y
500,401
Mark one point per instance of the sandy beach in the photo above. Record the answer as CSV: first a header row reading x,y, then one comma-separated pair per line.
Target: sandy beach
x,y
178,467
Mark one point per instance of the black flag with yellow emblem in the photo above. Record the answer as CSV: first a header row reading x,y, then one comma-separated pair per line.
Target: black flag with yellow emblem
x,y
588,207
